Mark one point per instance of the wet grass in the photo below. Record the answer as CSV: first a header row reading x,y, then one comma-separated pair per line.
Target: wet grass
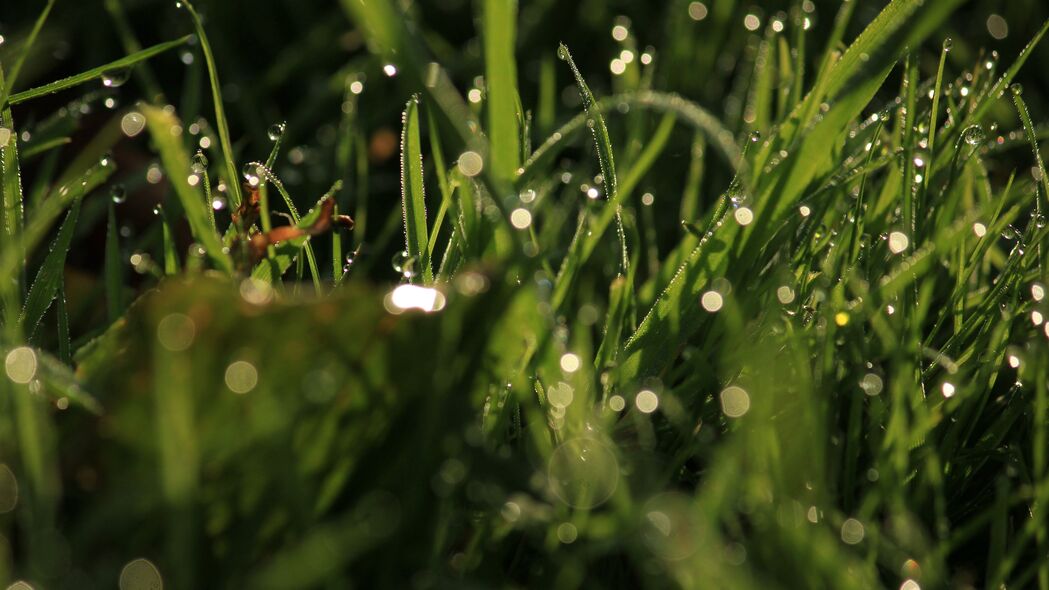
x,y
789,335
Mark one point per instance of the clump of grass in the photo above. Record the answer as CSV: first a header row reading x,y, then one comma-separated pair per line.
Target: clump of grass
x,y
818,359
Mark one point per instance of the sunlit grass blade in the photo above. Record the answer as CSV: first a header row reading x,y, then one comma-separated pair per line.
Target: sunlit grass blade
x,y
48,282
176,159
413,196
499,24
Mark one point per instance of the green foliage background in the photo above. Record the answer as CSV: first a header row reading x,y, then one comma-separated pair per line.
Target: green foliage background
x,y
742,295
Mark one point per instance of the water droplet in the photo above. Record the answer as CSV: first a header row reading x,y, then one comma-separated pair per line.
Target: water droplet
x,y
583,473
251,173
390,70
276,131
218,203
116,77
974,135
948,44
755,136
1017,89
403,264
562,52
118,194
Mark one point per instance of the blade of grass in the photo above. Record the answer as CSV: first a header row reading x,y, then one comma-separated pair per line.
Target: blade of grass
x,y
12,78
221,123
499,34
96,73
48,282
177,162
413,203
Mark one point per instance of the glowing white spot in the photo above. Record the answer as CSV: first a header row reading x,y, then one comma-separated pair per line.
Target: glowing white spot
x,y
617,66
1037,318
785,294
751,22
356,87
735,401
711,301
471,163
520,218
697,11
804,210
898,242
744,216
20,364
406,297
646,401
616,403
132,123
390,70
474,95
619,33
1037,292
570,362
1014,361
979,229
947,389
647,199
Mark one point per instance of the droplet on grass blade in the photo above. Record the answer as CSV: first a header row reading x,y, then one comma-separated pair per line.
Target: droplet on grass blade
x,y
116,77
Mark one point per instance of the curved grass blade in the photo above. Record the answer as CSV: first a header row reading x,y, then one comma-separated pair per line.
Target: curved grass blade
x,y
48,280
175,157
267,173
220,113
413,202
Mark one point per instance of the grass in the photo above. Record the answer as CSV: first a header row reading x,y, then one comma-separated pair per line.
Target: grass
x,y
813,353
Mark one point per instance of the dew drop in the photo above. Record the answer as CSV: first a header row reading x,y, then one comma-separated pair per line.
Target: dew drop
x,y
562,52
276,131
974,135
118,194
251,174
755,136
948,44
200,162
1017,89
218,203
403,264
116,77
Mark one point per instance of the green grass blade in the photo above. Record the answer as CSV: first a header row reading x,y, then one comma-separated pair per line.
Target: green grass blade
x,y
499,33
413,202
221,124
48,282
5,89
177,161
96,73
40,220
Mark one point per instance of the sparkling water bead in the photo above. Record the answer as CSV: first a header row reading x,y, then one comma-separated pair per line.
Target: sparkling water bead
x,y
116,77
276,131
